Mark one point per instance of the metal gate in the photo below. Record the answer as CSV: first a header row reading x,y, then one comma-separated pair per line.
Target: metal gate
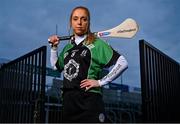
x,y
160,84
22,88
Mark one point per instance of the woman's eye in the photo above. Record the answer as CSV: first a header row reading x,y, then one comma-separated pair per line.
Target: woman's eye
x,y
75,19
85,19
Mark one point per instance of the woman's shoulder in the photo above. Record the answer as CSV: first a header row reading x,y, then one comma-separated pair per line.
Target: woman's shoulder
x,y
67,46
101,42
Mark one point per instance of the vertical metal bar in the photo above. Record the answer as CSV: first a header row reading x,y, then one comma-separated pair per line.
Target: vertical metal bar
x,y
44,53
14,91
10,94
156,66
152,83
31,88
161,85
143,69
21,91
3,93
168,88
28,91
35,76
149,103
39,73
155,63
7,94
164,86
34,89
25,90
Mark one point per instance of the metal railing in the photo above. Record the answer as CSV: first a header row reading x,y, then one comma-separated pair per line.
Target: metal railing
x,y
22,88
160,84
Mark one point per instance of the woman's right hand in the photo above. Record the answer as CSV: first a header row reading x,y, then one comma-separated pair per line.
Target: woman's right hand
x,y
54,40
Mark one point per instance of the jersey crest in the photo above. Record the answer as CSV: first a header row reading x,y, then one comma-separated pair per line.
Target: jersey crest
x,y
71,70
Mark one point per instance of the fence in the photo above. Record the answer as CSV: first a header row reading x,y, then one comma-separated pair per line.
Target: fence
x,y
160,84
22,88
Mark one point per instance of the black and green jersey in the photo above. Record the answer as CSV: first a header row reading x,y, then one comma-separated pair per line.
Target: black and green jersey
x,y
83,61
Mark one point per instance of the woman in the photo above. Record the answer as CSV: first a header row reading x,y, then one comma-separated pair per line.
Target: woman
x,y
83,60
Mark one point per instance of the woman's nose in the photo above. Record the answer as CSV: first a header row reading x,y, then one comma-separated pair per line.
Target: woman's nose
x,y
79,22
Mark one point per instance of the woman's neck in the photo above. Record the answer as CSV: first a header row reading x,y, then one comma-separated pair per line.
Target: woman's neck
x,y
79,39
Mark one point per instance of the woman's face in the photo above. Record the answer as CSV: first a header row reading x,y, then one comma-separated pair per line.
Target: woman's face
x,y
79,22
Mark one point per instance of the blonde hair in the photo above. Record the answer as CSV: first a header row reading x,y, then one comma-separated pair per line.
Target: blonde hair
x,y
90,36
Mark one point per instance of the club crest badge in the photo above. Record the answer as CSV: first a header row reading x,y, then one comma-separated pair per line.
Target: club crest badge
x,y
71,70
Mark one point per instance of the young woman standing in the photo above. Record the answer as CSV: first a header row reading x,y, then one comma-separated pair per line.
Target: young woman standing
x,y
82,61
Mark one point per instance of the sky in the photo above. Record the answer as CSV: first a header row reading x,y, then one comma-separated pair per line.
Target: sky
x,y
26,25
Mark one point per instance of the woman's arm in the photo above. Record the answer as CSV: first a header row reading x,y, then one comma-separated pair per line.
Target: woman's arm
x,y
54,41
53,57
120,66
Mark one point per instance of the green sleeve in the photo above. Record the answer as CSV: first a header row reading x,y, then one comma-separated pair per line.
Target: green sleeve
x,y
105,53
60,62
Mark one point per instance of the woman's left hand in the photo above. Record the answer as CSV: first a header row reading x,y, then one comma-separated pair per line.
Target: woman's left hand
x,y
89,83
